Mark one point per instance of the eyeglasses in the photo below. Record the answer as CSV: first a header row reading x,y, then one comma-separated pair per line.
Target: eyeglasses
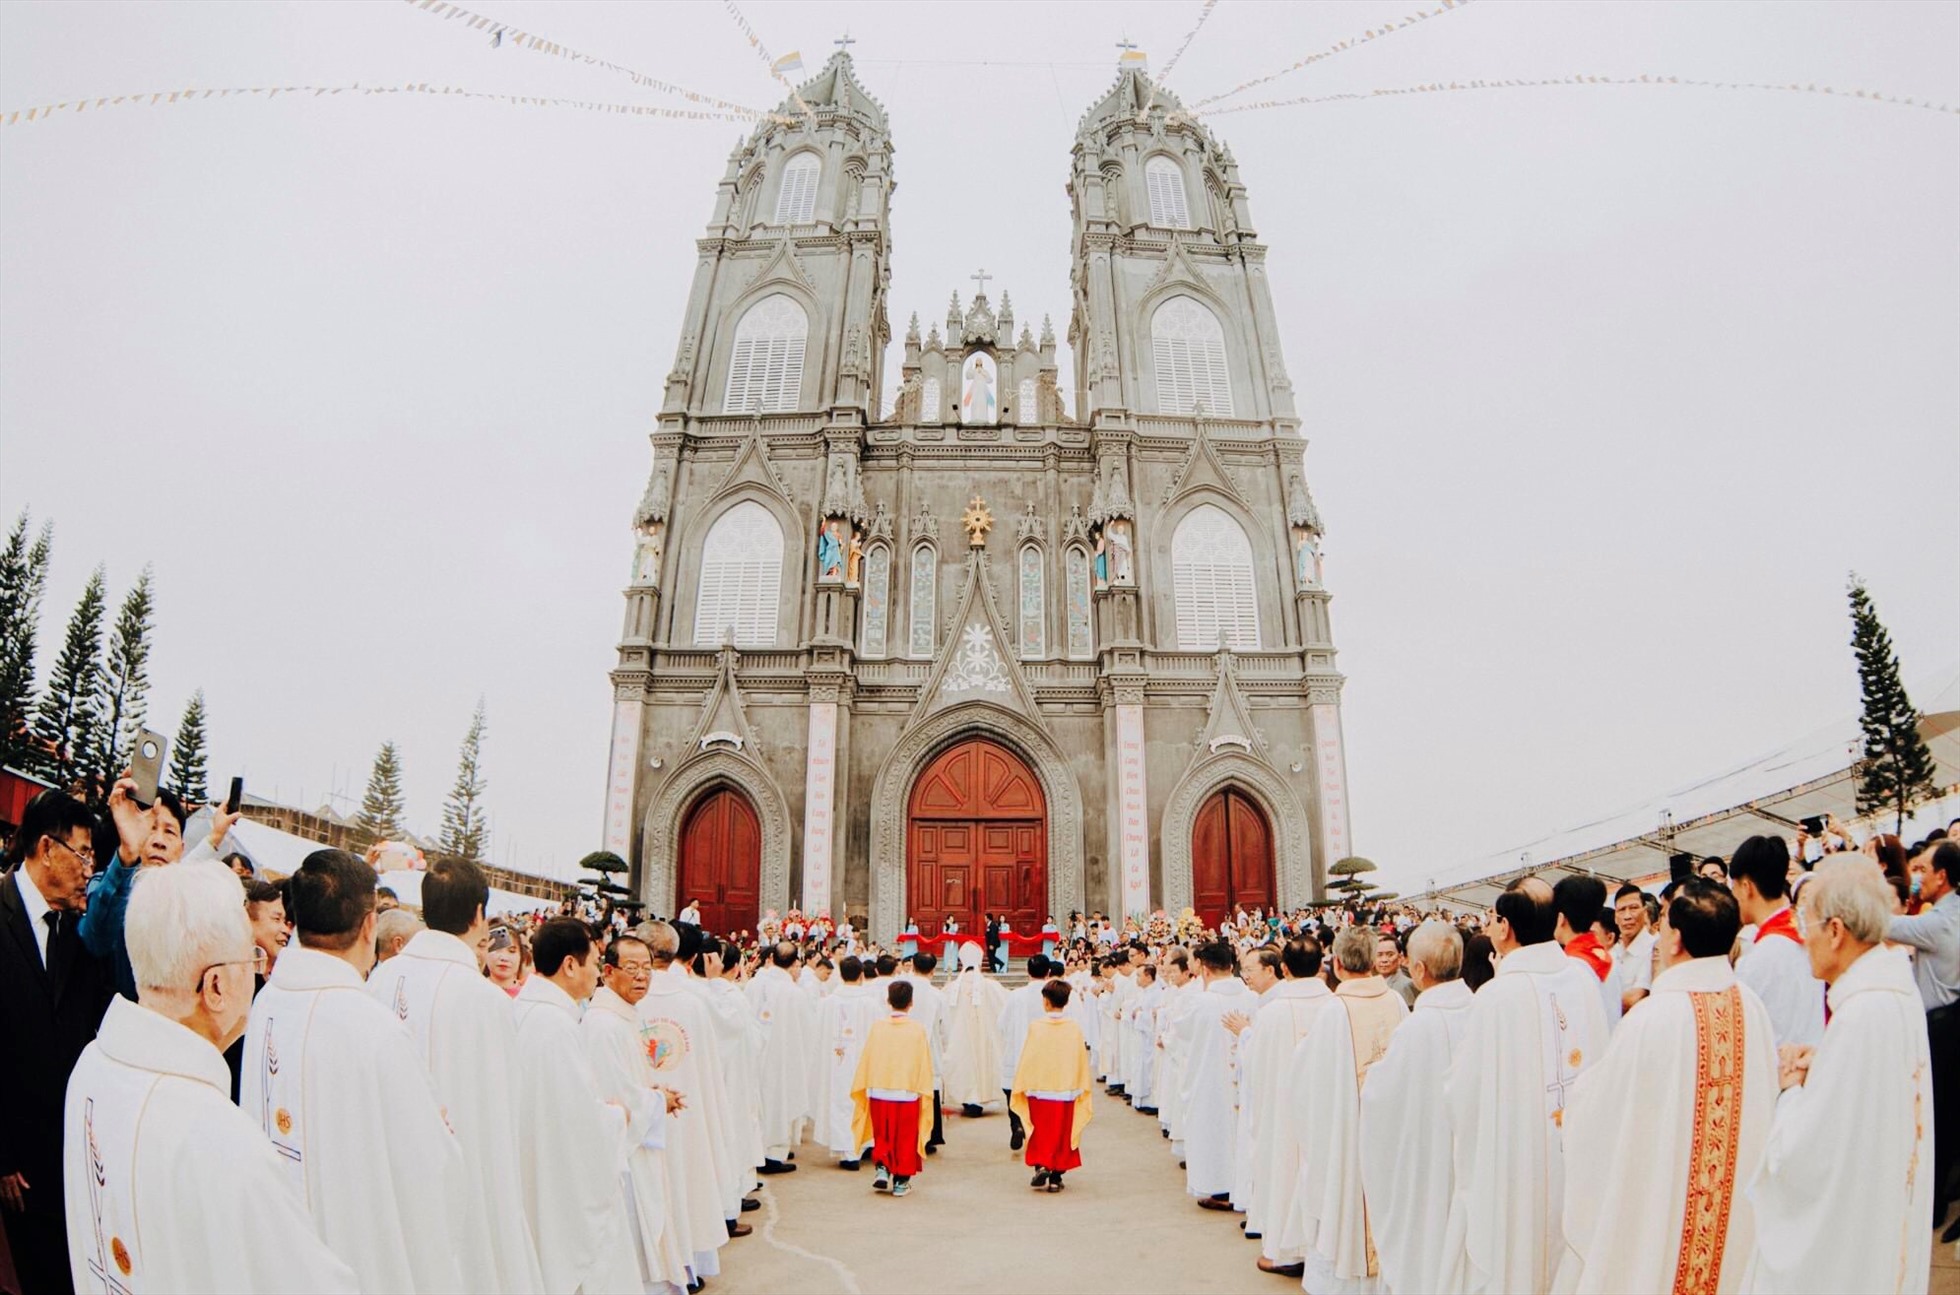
x,y
1803,923
86,861
258,962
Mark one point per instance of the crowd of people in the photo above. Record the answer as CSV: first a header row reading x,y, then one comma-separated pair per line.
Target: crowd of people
x,y
218,1081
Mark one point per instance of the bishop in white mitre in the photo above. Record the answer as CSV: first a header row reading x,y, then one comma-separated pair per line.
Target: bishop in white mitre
x,y
463,1028
971,1024
1210,1076
1677,1111
1533,1030
1022,1008
1844,1195
1328,1076
843,1023
1406,1169
610,1032
167,1185
677,1030
337,1084
575,1139
788,1020
1277,1028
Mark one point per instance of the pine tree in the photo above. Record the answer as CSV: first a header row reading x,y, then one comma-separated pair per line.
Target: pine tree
x,y
125,685
23,580
187,758
380,818
67,726
465,825
1897,768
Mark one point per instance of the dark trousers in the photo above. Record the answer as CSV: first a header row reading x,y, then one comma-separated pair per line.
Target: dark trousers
x,y
938,1122
1013,1120
1943,1042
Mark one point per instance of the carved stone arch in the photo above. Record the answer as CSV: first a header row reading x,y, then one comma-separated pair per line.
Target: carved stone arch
x,y
892,573
1048,584
1266,588
910,756
660,831
796,548
931,544
1180,279
779,276
1293,871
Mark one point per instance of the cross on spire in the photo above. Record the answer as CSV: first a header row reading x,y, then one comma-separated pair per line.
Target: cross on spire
x,y
844,44
981,279
1126,44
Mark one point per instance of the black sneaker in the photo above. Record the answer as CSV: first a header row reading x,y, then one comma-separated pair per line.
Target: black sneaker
x,y
883,1181
1040,1179
776,1167
1054,1182
1018,1140
851,1165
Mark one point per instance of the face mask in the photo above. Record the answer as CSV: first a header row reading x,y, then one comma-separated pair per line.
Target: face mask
x,y
1915,886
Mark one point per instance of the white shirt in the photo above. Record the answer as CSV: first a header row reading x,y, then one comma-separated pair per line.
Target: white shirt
x,y
37,908
1635,960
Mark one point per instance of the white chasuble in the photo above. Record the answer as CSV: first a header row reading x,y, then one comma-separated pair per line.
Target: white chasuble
x,y
338,1086
972,1025
1844,1194
1211,1086
468,1039
1139,1078
1170,1053
787,1018
678,1031
843,1024
1534,1027
167,1185
1277,1028
610,1030
574,1146
1406,1169
1022,1009
736,1043
1658,1203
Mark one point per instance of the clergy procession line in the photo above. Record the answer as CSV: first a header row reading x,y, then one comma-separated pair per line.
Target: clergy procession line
x,y
405,1111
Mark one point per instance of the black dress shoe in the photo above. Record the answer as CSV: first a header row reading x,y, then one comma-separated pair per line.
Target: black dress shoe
x,y
737,1228
932,1148
748,1205
970,1111
1040,1179
1019,1140
1951,1234
776,1167
694,1287
851,1165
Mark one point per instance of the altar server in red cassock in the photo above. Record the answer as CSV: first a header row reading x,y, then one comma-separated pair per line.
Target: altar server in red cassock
x,y
1051,1089
894,1081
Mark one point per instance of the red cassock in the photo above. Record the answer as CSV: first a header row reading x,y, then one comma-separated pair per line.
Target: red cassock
x,y
1051,1135
895,1135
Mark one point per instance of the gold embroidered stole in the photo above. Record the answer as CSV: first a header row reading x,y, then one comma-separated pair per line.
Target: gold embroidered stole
x,y
1370,1022
1712,1153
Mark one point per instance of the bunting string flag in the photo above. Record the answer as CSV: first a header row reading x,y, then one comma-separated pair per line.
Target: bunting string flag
x,y
501,34
1144,112
45,111
777,66
1372,34
1452,87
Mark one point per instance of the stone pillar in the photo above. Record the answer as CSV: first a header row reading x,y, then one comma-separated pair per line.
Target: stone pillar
x,y
623,767
1330,785
819,802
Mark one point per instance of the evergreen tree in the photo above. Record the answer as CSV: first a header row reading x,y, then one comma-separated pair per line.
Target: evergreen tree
x,y
67,725
1897,768
125,685
465,825
187,758
23,580
380,818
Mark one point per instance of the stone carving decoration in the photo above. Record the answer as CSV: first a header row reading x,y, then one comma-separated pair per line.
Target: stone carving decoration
x,y
977,667
925,526
647,554
977,521
1031,525
1300,510
881,522
658,497
1294,864
1076,527
661,828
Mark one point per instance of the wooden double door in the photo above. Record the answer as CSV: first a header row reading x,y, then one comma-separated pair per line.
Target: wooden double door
x,y
721,862
1231,857
976,841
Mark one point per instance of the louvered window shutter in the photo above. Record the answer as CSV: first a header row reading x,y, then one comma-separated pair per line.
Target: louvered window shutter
x,y
741,578
1211,582
765,366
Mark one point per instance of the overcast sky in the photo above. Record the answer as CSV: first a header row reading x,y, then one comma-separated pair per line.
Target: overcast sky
x,y
1606,388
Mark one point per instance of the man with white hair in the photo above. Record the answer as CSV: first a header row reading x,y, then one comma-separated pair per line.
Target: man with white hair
x,y
170,1187
1406,1172
1844,1197
393,929
1328,1075
971,1022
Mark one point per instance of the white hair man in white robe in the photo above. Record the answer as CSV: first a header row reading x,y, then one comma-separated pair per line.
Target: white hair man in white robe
x,y
1328,1076
1276,1030
972,1027
1406,1168
1844,1194
1023,1008
336,1083
1533,1030
788,1020
1679,1107
576,1139
168,1186
1210,1078
843,1023
467,1035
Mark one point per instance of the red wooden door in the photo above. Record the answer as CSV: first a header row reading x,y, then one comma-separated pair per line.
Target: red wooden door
x,y
1231,856
721,861
977,841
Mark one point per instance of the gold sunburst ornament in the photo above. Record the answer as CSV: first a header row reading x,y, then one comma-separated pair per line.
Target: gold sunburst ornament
x,y
978,521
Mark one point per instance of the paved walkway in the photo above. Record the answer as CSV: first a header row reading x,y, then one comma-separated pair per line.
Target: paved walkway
x,y
972,1224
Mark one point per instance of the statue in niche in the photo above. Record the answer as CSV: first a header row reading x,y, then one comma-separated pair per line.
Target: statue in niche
x,y
647,554
1306,558
1119,484
980,403
830,549
851,562
1102,559
1122,554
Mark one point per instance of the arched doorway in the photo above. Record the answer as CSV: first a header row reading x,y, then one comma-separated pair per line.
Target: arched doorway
x,y
976,840
721,861
1231,856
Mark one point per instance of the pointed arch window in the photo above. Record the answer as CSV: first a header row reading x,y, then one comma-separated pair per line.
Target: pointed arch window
x,y
796,199
1188,350
1029,405
929,401
925,582
1081,639
1163,182
1033,606
741,578
765,372
877,598
1211,581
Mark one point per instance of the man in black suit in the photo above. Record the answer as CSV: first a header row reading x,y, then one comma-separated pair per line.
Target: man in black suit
x,y
52,996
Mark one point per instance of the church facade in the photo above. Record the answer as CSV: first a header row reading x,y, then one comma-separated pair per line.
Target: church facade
x,y
989,649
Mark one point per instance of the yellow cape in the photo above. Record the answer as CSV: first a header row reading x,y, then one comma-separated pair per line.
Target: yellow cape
x,y
1054,1060
895,1056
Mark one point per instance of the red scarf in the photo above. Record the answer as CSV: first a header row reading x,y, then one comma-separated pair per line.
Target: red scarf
x,y
1783,922
1586,948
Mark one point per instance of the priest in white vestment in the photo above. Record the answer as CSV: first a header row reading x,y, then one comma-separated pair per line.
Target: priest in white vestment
x,y
788,1020
168,1186
1260,969
1328,1076
713,973
1277,1028
928,1005
610,1031
972,1023
677,1029
843,1023
1141,1071
1669,1125
1533,1030
575,1138
1022,1008
1180,983
1406,1168
1210,1079
464,1029
337,1085
1844,1196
